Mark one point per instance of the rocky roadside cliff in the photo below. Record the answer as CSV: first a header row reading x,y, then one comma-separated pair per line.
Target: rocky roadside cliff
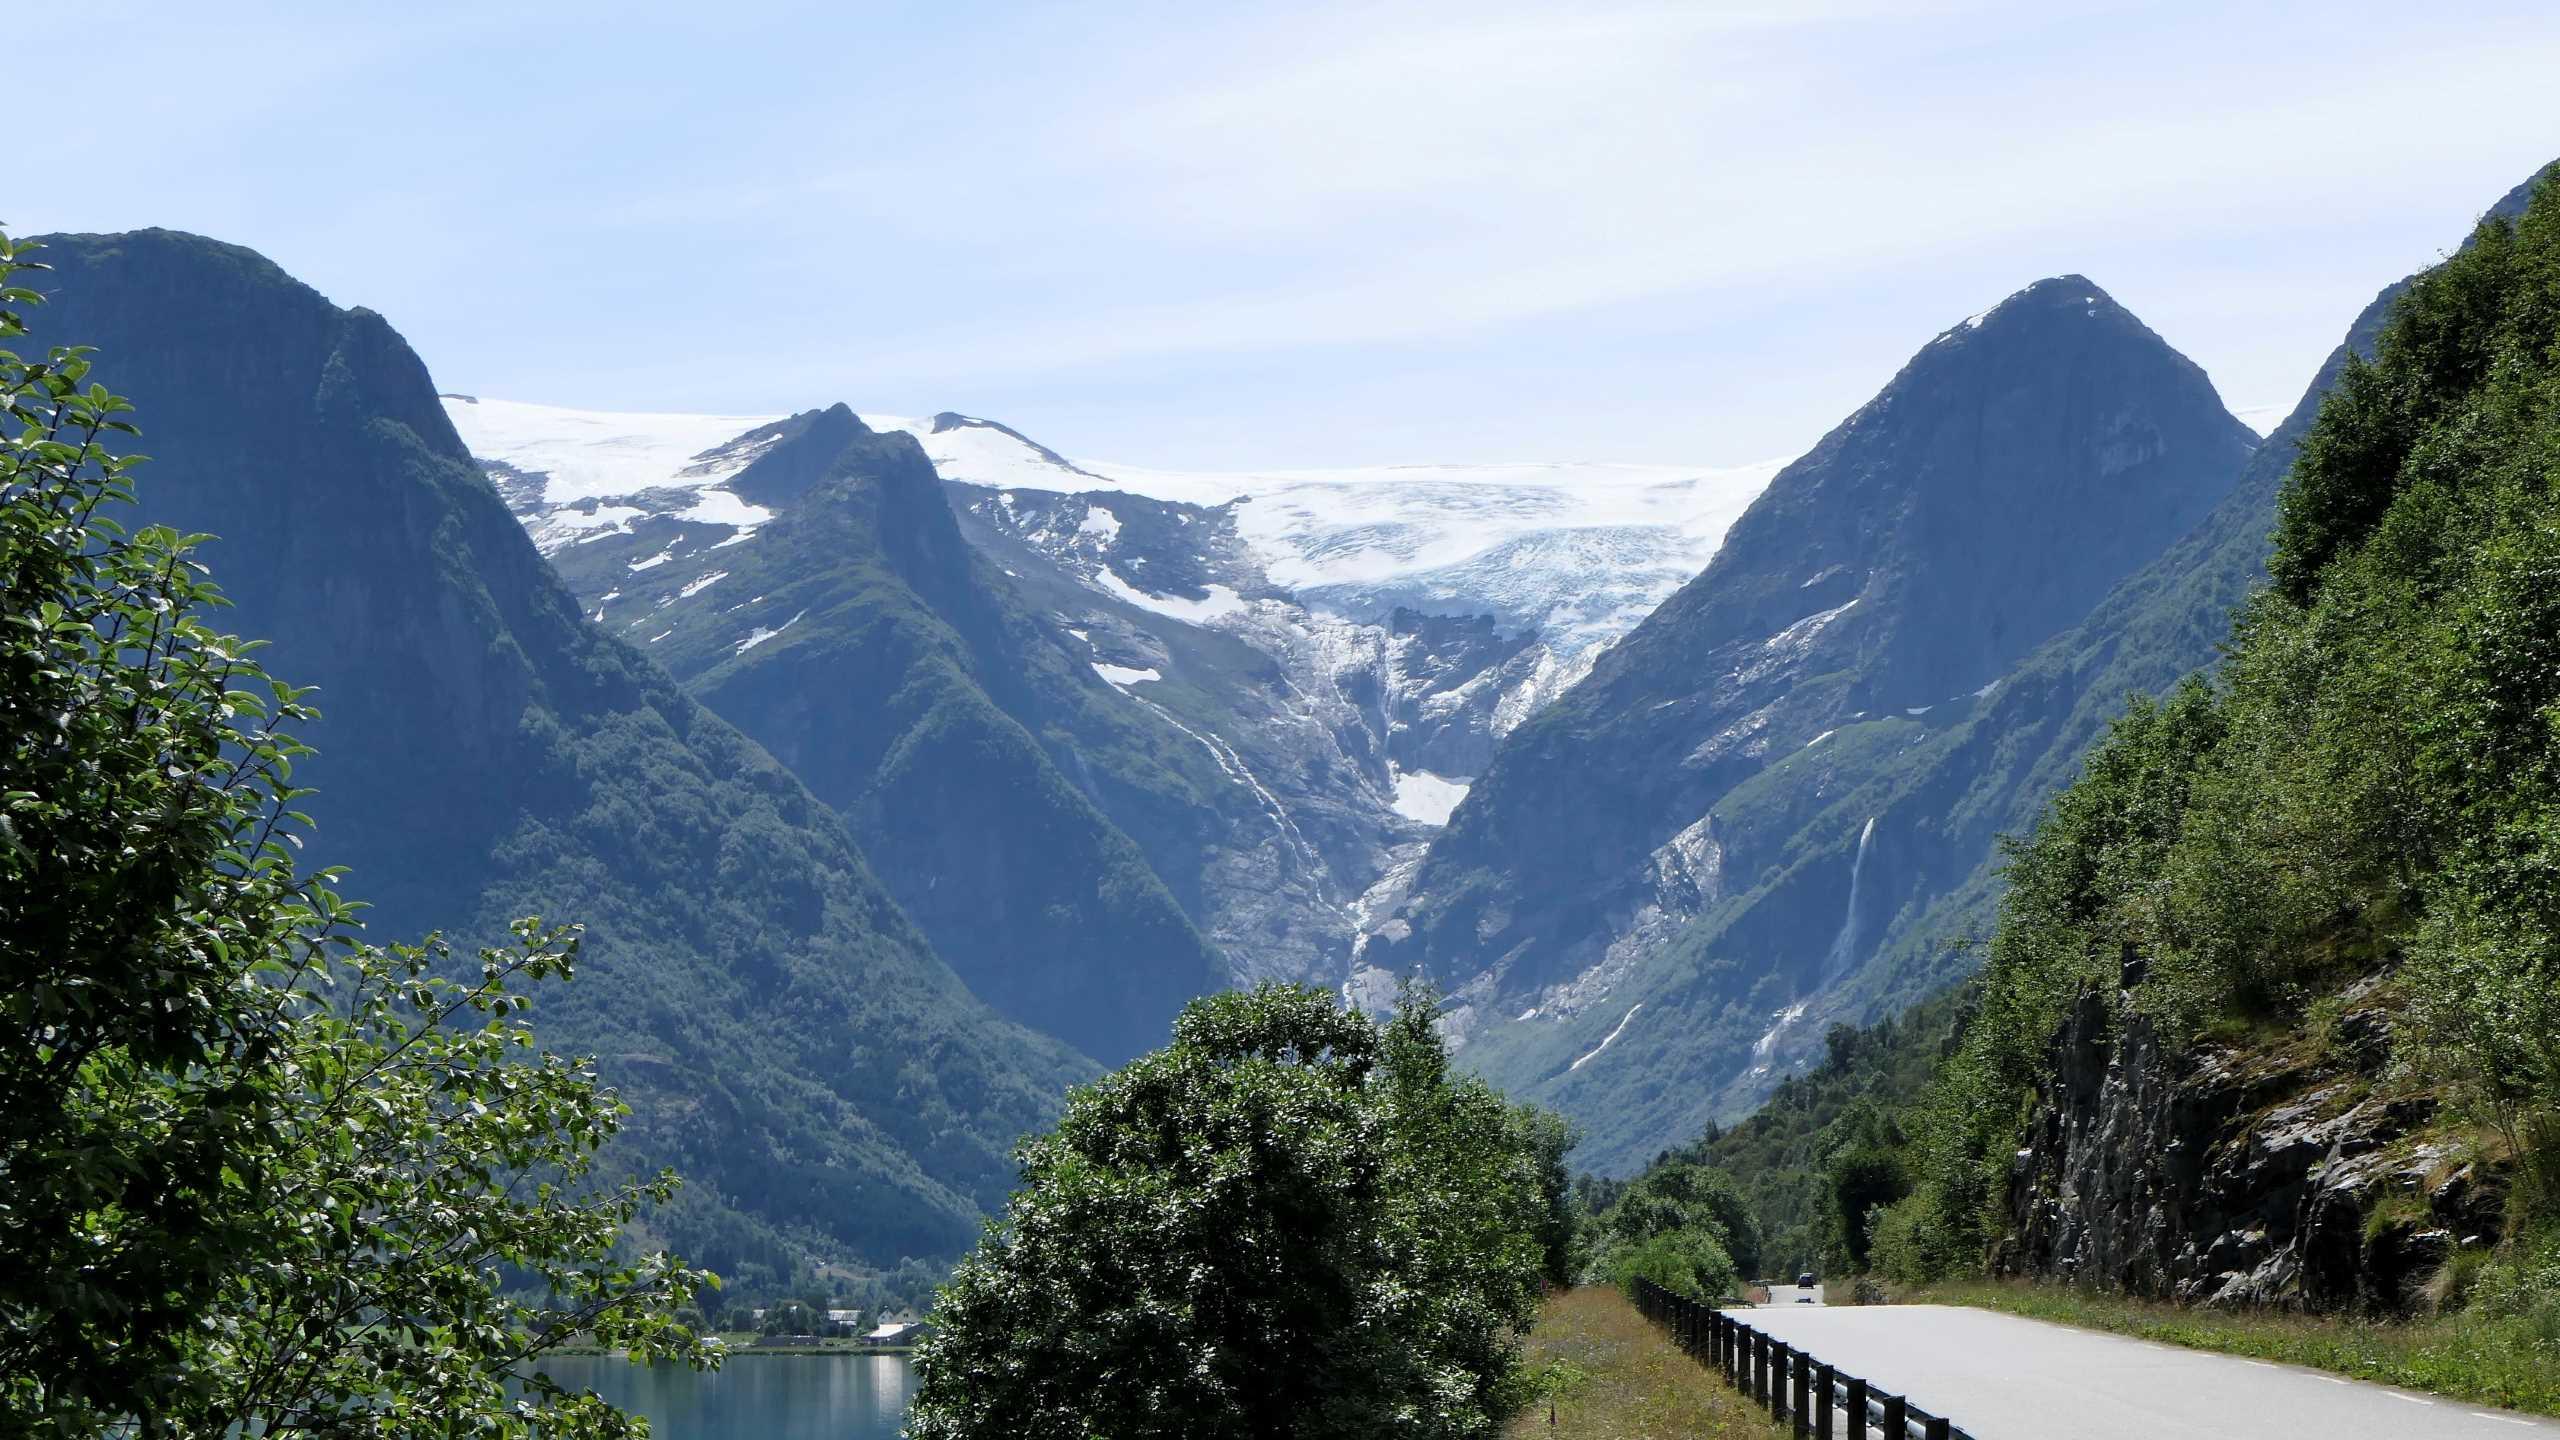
x,y
2300,1172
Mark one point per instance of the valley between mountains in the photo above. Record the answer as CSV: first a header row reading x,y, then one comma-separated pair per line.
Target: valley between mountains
x,y
1604,751
908,771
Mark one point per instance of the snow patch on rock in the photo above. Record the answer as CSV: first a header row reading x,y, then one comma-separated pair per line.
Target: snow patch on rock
x,y
1429,798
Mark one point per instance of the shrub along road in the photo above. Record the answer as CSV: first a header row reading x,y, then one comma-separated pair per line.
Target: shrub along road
x,y
2001,1377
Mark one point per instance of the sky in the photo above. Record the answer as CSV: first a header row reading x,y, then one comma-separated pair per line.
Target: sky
x,y
1238,235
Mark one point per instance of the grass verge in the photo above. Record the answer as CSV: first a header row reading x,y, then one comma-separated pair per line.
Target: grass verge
x,y
1613,1375
2485,1361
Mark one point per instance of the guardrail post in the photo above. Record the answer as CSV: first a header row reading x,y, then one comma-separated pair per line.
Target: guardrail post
x,y
1937,1428
1759,1368
1857,1408
1897,1418
1779,1355
1803,1407
1824,1377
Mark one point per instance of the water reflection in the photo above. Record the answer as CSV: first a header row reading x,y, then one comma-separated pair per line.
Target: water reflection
x,y
768,1397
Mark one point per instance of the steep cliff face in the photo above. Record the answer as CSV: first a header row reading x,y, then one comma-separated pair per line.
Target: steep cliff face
x,y
2292,1173
788,1040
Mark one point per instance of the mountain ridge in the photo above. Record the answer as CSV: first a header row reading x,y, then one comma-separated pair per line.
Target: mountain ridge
x,y
1682,829
485,753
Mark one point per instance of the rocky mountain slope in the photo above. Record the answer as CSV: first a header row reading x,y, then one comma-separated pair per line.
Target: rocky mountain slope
x,y
836,615
789,1041
1660,876
1325,658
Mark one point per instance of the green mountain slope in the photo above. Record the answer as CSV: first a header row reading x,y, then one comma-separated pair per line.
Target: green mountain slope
x,y
891,667
788,1040
1990,775
2269,1016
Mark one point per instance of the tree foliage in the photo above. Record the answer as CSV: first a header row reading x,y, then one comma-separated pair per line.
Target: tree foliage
x,y
1292,1221
1684,1196
255,1176
1689,1261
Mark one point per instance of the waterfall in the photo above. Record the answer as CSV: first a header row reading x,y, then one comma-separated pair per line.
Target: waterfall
x,y
1833,962
1837,960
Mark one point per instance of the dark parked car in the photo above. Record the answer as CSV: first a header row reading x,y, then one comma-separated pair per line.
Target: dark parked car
x,y
1805,1281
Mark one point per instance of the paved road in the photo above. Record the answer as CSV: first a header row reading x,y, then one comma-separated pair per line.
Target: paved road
x,y
2003,1378
1795,1295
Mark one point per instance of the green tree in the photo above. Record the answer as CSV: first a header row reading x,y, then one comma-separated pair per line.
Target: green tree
x,y
1292,1221
255,1177
141,750
1689,1262
1547,1138
1685,1195
1863,1180
790,1317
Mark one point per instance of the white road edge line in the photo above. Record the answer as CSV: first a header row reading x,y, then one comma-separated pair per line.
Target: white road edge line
x,y
2412,1399
2501,1419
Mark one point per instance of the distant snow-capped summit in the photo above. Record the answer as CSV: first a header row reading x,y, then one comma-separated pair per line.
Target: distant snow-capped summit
x,y
1345,647
1577,552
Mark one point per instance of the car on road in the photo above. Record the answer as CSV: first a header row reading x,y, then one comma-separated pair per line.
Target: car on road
x,y
1805,1281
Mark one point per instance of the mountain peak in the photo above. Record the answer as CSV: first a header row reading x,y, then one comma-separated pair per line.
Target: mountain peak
x,y
947,421
2055,295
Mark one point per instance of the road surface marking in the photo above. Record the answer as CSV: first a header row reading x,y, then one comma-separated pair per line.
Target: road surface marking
x,y
2412,1399
2501,1419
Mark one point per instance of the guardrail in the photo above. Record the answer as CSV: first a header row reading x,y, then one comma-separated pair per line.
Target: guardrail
x,y
1785,1381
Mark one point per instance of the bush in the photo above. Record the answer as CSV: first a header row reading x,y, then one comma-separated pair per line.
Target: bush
x,y
1685,1262
1911,1243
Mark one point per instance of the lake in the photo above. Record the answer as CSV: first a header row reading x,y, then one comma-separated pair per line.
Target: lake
x,y
755,1397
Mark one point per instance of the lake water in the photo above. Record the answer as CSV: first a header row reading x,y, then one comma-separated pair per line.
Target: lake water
x,y
755,1397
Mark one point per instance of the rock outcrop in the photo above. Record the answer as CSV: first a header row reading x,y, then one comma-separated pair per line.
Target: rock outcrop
x,y
2300,1175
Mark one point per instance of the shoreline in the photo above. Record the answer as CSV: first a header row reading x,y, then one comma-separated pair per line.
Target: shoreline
x,y
592,1352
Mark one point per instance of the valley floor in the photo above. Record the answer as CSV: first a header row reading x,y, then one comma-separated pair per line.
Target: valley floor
x,y
2461,1357
1618,1377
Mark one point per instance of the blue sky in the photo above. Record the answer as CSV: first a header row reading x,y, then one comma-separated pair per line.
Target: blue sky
x,y
1295,234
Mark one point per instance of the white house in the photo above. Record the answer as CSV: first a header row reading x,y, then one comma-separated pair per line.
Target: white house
x,y
902,1328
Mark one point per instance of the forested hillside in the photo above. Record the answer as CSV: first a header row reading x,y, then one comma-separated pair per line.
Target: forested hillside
x,y
2356,821
830,1090
1809,1149
2270,1014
